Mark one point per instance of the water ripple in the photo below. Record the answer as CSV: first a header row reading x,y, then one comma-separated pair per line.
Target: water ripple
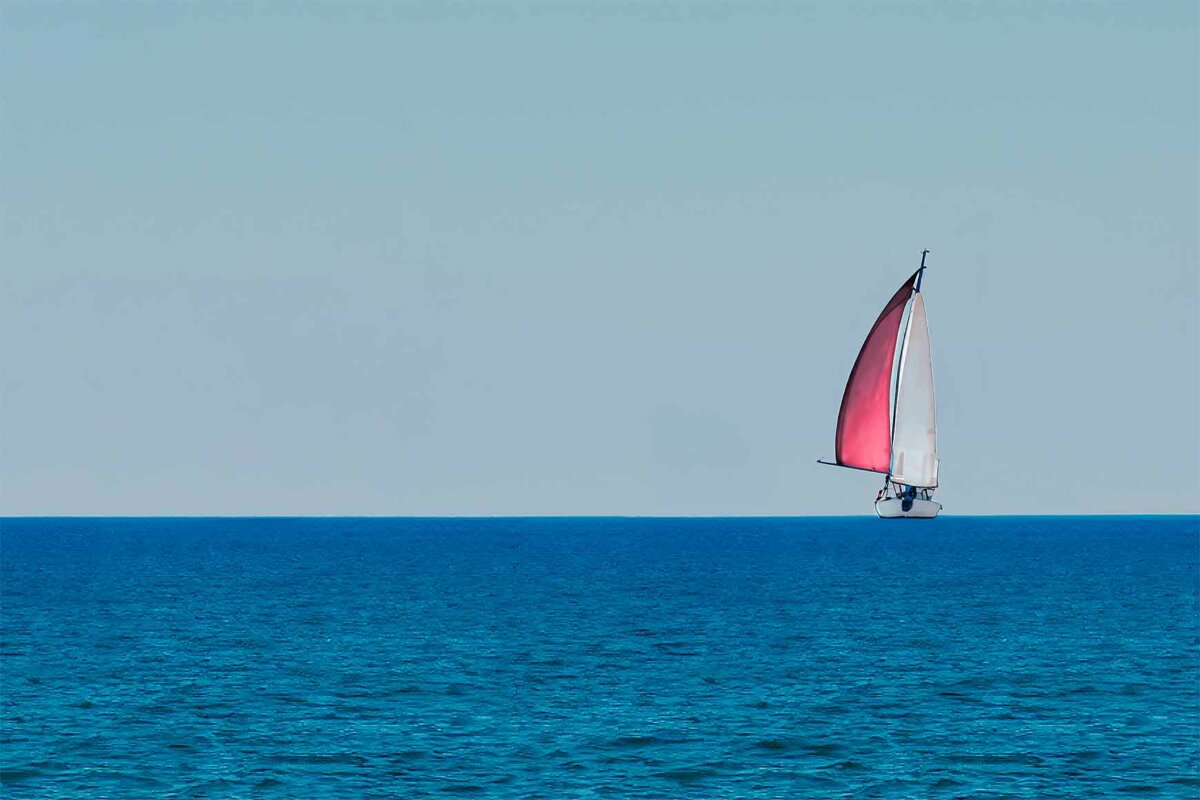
x,y
971,658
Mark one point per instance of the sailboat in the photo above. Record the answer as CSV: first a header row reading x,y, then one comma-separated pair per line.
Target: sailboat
x,y
887,423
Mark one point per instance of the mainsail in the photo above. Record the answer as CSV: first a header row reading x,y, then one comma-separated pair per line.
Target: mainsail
x,y
864,436
914,451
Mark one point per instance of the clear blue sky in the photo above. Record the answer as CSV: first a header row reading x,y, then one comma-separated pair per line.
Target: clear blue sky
x,y
446,258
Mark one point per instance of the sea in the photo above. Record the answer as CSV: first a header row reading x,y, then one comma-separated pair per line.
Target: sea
x,y
965,657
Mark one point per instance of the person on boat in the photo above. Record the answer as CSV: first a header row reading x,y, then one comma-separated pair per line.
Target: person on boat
x,y
879,495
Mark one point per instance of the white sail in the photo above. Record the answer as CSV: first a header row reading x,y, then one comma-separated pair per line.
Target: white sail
x,y
914,451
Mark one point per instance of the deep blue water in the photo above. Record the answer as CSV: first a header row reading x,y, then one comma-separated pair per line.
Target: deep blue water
x,y
560,658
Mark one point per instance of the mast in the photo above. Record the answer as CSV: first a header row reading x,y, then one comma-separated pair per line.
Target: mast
x,y
913,446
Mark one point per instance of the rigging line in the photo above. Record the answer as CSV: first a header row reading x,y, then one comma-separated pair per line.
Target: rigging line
x,y
847,466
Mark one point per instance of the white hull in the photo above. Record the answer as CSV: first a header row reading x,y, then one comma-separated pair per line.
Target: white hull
x,y
893,508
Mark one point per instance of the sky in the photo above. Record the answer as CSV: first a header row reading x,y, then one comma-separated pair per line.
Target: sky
x,y
613,258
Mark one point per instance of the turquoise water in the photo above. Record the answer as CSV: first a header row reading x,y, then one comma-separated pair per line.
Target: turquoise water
x,y
560,658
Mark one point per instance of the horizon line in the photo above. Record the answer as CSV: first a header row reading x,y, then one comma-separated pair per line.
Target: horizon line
x,y
573,516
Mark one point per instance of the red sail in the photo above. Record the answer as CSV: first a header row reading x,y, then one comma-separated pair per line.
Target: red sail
x,y
864,437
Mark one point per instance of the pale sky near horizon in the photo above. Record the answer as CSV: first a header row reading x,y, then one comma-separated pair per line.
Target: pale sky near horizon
x,y
442,259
